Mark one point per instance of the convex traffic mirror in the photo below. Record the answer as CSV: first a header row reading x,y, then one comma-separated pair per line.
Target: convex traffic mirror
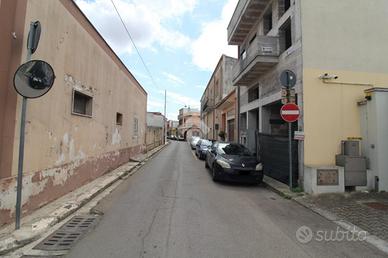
x,y
34,79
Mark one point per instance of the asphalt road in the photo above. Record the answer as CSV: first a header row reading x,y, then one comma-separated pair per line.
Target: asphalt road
x,y
172,208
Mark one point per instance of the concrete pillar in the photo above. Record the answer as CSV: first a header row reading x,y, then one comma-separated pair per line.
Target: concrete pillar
x,y
265,115
251,126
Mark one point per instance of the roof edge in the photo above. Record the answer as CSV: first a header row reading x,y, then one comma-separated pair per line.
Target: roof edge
x,y
69,4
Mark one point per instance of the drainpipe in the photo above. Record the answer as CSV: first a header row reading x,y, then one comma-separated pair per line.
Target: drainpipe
x,y
238,114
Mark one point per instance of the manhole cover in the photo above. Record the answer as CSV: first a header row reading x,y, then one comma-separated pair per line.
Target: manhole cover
x,y
377,205
67,235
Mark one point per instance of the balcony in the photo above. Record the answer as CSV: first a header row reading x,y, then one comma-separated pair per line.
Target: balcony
x,y
244,18
261,56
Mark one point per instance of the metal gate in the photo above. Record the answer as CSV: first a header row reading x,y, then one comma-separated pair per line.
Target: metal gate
x,y
273,151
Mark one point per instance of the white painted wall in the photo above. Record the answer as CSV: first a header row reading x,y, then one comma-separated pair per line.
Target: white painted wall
x,y
375,137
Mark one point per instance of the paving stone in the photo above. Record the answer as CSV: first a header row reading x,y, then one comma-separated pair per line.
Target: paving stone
x,y
365,210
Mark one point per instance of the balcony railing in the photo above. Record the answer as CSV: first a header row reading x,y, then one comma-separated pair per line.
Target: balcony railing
x,y
245,16
262,54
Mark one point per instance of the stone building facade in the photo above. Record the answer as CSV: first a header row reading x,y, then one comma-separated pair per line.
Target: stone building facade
x,y
218,103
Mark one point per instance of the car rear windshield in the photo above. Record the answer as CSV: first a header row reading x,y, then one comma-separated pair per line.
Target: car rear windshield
x,y
206,143
233,149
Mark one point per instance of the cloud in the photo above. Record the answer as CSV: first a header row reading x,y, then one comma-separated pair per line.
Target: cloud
x,y
154,104
180,99
173,78
143,18
172,116
207,49
200,86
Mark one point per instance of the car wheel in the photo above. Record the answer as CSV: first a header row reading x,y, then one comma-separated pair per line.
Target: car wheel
x,y
214,174
206,165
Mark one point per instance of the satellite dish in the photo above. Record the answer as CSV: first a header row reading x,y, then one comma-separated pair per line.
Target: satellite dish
x,y
33,79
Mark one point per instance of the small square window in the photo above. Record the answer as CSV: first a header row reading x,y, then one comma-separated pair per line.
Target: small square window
x,y
82,104
119,118
253,94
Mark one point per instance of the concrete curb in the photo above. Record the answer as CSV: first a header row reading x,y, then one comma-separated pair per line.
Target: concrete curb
x,y
283,191
26,235
280,188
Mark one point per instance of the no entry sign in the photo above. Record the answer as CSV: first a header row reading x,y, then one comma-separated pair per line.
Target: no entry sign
x,y
290,113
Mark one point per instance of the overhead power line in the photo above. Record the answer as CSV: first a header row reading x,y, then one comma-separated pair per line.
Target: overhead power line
x,y
133,43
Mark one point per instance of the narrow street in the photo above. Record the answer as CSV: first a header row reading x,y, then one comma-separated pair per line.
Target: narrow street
x,y
172,208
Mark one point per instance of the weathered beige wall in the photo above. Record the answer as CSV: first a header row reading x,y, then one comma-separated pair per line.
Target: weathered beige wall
x,y
65,151
346,38
12,13
79,63
209,124
154,137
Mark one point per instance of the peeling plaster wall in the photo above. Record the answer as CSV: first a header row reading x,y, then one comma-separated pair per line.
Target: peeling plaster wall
x,y
154,137
47,185
63,151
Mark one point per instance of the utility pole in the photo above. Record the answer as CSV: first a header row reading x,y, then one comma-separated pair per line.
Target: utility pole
x,y
164,120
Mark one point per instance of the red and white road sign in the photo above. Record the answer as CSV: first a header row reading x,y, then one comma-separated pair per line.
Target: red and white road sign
x,y
290,113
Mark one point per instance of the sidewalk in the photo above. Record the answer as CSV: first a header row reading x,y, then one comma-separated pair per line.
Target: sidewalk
x,y
358,211
368,211
35,224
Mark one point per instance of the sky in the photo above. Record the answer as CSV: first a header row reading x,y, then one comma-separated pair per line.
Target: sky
x,y
180,41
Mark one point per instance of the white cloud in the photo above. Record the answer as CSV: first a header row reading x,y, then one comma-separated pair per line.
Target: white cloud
x,y
181,100
172,116
154,104
202,87
212,42
173,78
143,18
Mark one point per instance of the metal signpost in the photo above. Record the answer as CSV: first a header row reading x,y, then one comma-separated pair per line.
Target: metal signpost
x,y
32,79
290,111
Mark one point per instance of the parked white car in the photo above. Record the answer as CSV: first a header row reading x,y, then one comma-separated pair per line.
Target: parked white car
x,y
193,142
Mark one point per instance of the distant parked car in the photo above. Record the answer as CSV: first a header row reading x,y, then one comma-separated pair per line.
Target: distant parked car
x,y
201,148
193,142
233,162
181,138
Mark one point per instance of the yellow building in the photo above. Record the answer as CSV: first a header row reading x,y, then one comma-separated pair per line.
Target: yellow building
x,y
90,122
337,51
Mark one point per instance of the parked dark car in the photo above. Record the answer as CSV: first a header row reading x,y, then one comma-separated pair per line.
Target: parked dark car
x,y
233,162
201,148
